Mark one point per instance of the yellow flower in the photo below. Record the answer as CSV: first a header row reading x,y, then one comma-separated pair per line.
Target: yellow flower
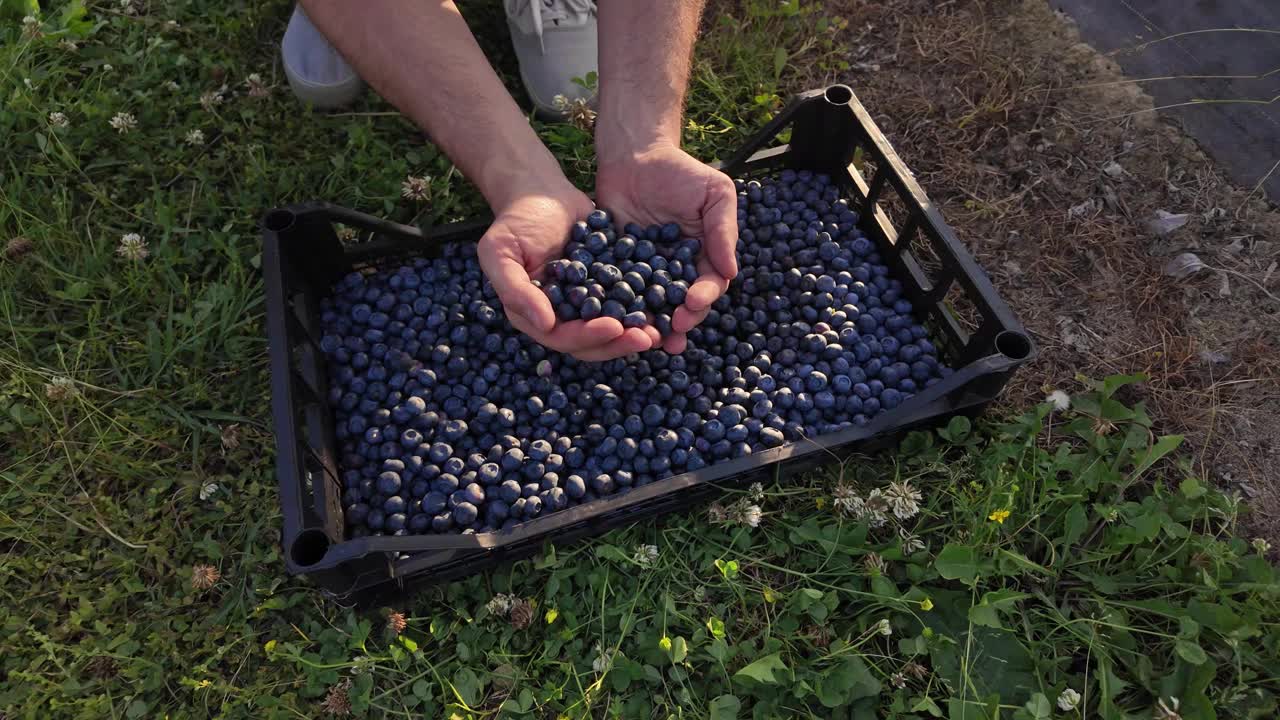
x,y
552,614
820,502
203,684
769,595
665,643
999,516
926,605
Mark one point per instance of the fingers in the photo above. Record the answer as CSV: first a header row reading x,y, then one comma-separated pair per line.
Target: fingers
x,y
502,264
675,343
633,340
684,319
720,225
572,337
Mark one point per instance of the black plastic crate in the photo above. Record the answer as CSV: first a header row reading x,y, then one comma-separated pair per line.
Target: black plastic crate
x,y
829,131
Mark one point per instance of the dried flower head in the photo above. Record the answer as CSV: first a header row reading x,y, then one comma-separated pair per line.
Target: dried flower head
x,y
521,614
18,248
338,700
130,7
820,636
230,437
102,667
396,622
717,513
577,112
874,565
212,98
61,389
194,137
845,499
646,555
347,234
500,604
31,27
123,122
68,45
1068,700
204,577
911,544
903,499
58,120
208,490
915,670
133,247
756,492
416,188
256,87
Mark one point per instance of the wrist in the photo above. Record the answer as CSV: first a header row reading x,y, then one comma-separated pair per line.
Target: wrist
x,y
621,137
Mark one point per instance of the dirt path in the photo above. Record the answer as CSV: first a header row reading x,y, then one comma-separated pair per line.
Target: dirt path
x,y
1052,168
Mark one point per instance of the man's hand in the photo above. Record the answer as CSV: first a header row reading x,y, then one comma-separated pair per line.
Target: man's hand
x,y
526,234
662,184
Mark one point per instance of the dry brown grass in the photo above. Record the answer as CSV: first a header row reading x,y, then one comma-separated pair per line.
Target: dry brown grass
x,y
1008,121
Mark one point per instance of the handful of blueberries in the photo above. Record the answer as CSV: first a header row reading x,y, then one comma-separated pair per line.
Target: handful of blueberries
x,y
448,420
643,272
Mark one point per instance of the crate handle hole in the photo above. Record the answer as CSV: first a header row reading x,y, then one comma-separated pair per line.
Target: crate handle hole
x,y
309,547
1013,345
838,94
278,220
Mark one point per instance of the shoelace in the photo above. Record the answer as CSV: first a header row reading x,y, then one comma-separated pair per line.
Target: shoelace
x,y
545,12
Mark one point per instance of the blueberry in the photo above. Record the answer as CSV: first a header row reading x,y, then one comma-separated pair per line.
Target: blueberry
x,y
634,320
598,220
465,513
575,487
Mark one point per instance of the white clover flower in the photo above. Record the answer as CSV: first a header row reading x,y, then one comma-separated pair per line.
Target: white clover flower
x,y
58,120
646,555
903,499
172,86
1261,545
257,88
751,516
68,45
61,388
209,489
416,188
194,137
108,67
133,247
500,604
884,628
27,82
846,500
212,99
123,122
898,680
1059,399
1069,700
911,544
756,492
172,25
604,659
31,26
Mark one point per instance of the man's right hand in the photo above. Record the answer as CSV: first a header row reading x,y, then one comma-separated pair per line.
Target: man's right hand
x,y
526,234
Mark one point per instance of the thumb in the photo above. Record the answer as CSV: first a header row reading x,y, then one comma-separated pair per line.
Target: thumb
x,y
501,264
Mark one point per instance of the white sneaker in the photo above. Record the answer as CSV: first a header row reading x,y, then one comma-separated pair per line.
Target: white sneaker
x,y
555,42
317,73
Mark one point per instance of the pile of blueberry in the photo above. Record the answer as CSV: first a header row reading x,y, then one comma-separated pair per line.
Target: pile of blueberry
x,y
643,273
449,420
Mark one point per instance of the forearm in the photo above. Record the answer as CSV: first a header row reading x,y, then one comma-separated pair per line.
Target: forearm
x,y
422,58
645,53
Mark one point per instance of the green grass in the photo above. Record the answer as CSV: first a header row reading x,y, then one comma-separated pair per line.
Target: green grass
x,y
127,387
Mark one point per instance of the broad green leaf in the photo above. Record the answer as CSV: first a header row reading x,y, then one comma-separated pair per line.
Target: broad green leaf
x,y
779,61
985,615
138,708
1190,651
75,19
725,707
849,681
422,689
468,687
1163,446
769,670
1192,488
1039,707
958,562
1076,522
1014,563
679,650
956,430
